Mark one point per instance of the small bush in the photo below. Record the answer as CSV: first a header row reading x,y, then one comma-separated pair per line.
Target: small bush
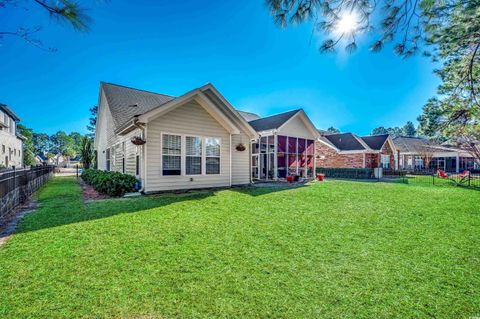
x,y
348,173
110,183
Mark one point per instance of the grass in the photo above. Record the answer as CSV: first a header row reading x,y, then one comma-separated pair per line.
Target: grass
x,y
336,249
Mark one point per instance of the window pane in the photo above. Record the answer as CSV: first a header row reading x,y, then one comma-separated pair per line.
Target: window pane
x,y
213,165
171,144
171,165
193,165
212,146
193,146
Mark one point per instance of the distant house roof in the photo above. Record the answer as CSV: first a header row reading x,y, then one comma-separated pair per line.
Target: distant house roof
x,y
272,122
9,112
248,116
126,102
417,145
345,141
375,142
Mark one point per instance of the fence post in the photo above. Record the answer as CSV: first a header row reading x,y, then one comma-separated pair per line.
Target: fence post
x,y
433,177
469,179
77,170
14,177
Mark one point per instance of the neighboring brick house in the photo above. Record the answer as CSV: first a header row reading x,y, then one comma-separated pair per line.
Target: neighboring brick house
x,y
347,150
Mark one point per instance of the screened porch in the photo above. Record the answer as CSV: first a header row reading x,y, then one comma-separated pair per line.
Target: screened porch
x,y
274,157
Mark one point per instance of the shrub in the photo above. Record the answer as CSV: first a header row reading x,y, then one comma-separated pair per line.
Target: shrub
x,y
348,173
110,183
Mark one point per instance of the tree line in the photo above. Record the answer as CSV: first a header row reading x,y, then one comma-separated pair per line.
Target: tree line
x,y
70,145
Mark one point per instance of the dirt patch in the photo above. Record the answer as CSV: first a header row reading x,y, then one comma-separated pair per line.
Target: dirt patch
x,y
28,207
89,193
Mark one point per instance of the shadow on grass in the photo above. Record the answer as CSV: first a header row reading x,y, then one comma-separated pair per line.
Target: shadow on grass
x,y
61,203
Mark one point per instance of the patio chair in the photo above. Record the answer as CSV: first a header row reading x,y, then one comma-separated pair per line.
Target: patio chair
x,y
442,174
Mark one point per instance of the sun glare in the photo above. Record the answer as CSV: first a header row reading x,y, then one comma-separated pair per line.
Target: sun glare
x,y
348,23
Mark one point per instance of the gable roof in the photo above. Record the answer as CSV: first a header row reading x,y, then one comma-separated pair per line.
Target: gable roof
x,y
272,122
344,142
129,105
248,116
375,142
407,144
126,102
9,112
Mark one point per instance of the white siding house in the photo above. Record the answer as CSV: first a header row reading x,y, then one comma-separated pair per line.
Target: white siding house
x,y
198,140
11,142
190,141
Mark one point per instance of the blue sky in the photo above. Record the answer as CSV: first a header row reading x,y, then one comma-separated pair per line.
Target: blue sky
x,y
171,47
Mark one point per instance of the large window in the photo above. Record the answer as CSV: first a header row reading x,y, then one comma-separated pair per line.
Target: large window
x,y
190,155
212,155
193,155
171,154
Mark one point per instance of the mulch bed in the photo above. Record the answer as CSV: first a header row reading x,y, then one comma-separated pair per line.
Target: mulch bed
x,y
89,193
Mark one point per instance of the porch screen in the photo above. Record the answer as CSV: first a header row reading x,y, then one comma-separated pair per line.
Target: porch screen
x,y
281,156
171,154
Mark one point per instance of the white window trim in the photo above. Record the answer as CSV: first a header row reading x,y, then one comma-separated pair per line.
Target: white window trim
x,y
183,155
219,156
202,156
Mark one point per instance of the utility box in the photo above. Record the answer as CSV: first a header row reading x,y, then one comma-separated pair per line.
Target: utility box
x,y
378,172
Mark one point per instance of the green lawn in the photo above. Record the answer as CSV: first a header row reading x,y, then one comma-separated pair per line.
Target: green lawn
x,y
336,249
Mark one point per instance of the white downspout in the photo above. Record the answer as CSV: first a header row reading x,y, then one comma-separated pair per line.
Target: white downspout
x,y
230,159
143,169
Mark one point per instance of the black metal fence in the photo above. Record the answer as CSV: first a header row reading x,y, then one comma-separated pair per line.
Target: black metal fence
x,y
432,177
15,178
16,185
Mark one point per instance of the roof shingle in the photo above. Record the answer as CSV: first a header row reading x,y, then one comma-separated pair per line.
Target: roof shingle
x,y
126,102
375,142
345,142
272,122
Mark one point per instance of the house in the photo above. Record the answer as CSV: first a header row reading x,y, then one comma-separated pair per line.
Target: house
x,y
195,140
285,146
11,141
347,150
198,140
417,153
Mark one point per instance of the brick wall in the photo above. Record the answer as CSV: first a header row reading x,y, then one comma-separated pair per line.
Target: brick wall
x,y
327,157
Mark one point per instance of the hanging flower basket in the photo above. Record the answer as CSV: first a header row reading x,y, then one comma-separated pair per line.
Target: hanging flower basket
x,y
137,140
241,147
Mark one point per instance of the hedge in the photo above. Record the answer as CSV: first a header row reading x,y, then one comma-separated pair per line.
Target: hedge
x,y
110,183
347,173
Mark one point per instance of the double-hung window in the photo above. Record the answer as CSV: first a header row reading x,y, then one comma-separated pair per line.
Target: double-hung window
x,y
193,155
212,155
171,154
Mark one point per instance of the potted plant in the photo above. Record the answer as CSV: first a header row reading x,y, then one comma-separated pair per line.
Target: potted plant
x,y
241,147
138,140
